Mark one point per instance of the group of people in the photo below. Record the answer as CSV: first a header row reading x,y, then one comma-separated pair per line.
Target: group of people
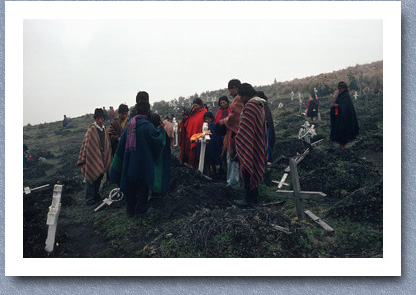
x,y
242,133
135,152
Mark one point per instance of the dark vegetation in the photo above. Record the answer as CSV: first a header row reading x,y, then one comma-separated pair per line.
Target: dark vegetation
x,y
197,219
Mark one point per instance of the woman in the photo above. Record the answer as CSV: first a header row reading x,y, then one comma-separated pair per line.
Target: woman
x,y
224,109
344,123
192,126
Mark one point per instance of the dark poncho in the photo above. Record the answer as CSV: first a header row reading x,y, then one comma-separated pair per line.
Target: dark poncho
x,y
344,123
138,165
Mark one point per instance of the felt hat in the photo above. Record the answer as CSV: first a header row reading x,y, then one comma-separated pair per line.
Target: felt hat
x,y
342,84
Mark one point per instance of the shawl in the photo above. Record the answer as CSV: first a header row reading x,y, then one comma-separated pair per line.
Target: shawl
x,y
93,162
130,166
232,122
221,114
193,125
131,133
344,123
251,141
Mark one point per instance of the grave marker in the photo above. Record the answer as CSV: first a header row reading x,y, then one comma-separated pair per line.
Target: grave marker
x,y
52,218
297,194
175,131
204,140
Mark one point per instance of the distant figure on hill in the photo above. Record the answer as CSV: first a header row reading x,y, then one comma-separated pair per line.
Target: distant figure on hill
x,y
271,135
133,166
27,158
111,114
344,123
232,122
65,121
379,88
251,144
117,126
95,157
312,106
105,114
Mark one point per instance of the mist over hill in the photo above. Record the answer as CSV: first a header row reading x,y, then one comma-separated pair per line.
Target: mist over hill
x,y
361,76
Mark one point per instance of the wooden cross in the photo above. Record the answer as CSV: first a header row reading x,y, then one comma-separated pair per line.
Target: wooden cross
x,y
297,194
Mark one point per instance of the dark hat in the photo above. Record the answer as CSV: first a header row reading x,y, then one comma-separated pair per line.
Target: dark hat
x,y
342,84
98,113
223,98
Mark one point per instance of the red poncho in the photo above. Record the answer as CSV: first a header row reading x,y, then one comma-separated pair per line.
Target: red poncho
x,y
192,126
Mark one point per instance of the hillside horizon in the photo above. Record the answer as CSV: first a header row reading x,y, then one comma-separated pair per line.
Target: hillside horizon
x,y
365,75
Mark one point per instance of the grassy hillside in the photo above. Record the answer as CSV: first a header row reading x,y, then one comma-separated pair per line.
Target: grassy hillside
x,y
197,219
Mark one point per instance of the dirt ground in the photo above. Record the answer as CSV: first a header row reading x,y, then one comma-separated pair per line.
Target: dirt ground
x,y
197,217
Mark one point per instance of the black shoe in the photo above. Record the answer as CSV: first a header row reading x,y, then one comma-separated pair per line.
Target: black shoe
x,y
243,203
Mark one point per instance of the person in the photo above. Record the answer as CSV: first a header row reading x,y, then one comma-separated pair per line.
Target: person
x,y
344,123
251,144
212,162
117,126
271,134
133,166
168,126
140,96
182,136
232,123
224,109
111,114
105,114
194,125
312,106
65,121
95,157
27,158
163,162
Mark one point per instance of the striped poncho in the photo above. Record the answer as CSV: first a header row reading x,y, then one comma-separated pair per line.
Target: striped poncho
x,y
251,141
93,162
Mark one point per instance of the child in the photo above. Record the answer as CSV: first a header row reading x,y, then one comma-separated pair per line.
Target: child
x,y
213,150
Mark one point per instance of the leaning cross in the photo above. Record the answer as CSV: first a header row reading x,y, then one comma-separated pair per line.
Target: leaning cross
x,y
53,215
297,194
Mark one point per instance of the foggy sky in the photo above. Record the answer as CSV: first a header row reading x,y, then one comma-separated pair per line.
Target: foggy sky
x,y
75,66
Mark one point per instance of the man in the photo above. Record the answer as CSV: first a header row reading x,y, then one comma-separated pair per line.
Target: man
x,y
344,123
133,166
251,143
140,96
105,114
232,122
95,157
117,126
65,121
